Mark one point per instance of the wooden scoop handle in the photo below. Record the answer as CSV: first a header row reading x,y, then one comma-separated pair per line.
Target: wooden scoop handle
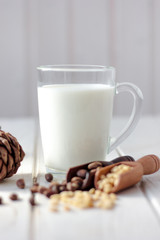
x,y
150,163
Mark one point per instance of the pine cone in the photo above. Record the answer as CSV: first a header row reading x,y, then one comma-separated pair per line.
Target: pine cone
x,y
11,155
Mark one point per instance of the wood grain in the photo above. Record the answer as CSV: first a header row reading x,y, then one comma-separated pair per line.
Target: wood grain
x,y
121,33
135,216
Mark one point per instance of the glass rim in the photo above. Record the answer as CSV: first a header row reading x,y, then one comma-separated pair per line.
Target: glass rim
x,y
75,68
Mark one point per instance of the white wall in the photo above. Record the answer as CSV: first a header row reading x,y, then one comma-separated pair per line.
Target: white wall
x,y
121,33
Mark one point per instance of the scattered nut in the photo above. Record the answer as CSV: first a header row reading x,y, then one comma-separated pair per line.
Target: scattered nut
x,y
93,171
64,182
41,189
36,184
62,188
75,179
13,197
92,191
32,201
49,193
52,184
94,165
72,186
48,177
78,181
34,189
54,187
20,183
82,173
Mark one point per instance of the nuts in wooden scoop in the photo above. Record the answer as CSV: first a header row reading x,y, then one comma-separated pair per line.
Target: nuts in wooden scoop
x,y
110,180
87,171
130,173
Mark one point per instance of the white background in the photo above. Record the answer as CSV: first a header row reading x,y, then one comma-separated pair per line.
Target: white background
x,y
121,33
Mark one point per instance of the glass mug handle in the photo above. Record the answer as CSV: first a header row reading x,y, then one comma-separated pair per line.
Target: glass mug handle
x,y
135,115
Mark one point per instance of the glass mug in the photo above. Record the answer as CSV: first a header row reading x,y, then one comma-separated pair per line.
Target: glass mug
x,y
75,113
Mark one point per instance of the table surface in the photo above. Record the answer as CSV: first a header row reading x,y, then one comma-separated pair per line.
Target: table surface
x,y
136,214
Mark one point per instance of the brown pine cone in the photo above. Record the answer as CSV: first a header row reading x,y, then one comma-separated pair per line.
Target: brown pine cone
x,y
11,154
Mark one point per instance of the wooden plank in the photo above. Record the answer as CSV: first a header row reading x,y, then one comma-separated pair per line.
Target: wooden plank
x,y
53,31
15,216
149,142
150,186
132,49
123,33
33,48
133,216
89,24
13,74
156,54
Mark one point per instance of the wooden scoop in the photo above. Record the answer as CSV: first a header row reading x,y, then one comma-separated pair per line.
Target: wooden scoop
x,y
146,165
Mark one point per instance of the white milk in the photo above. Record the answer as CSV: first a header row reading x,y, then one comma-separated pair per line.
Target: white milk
x,y
74,121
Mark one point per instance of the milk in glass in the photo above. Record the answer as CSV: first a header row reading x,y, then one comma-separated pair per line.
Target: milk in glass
x,y
75,122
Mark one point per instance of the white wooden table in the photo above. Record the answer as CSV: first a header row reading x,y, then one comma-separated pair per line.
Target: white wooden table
x,y
135,216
